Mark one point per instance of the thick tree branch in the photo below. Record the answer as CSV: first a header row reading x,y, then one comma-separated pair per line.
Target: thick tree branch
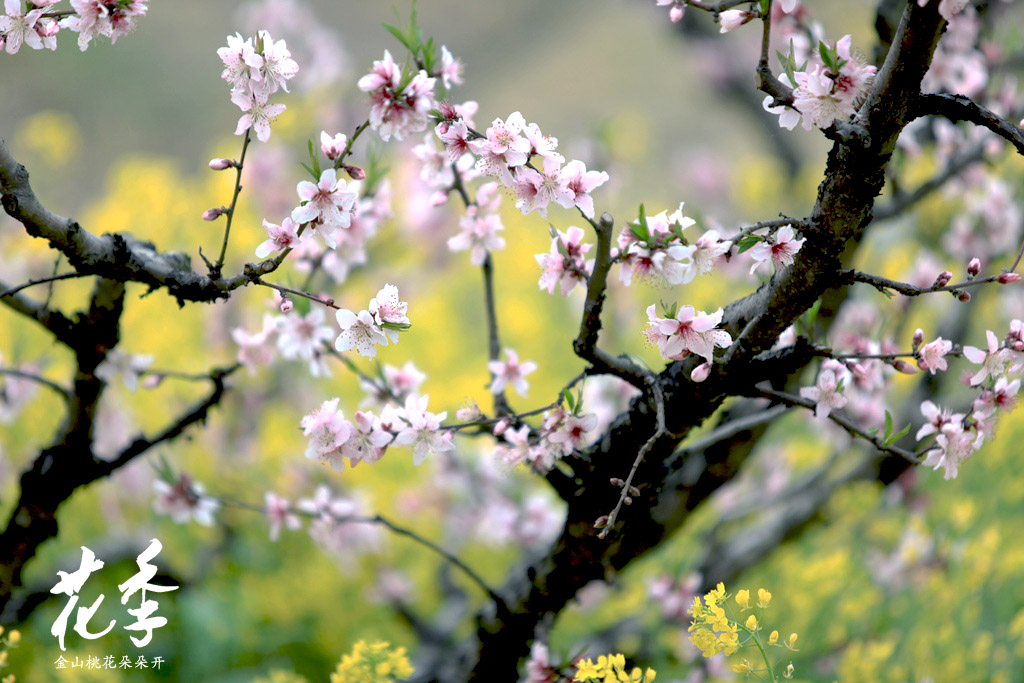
x,y
962,108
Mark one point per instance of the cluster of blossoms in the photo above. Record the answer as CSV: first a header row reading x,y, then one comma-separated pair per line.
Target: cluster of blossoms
x,y
38,27
828,88
565,266
333,438
958,435
653,248
399,104
377,326
958,66
562,432
304,336
507,151
255,73
685,331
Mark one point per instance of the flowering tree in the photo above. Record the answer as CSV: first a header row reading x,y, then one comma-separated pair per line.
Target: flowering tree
x,y
633,449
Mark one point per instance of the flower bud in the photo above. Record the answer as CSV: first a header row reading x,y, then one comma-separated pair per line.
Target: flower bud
x,y
701,372
221,164
615,481
943,279
447,111
212,214
1017,345
601,522
733,18
332,147
974,267
152,381
676,13
501,426
904,367
355,172
964,296
1007,278
918,338
773,638
286,305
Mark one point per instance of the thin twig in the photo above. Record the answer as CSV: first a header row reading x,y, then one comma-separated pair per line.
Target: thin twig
x,y
40,281
391,526
64,393
215,271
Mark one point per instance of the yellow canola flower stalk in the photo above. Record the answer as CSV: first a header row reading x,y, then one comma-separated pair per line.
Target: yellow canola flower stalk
x,y
611,669
376,663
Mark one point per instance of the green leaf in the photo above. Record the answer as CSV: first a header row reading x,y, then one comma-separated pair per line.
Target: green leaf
x,y
399,36
888,425
898,435
316,176
746,242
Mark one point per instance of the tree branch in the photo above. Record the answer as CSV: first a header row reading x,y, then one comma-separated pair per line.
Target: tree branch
x,y
962,108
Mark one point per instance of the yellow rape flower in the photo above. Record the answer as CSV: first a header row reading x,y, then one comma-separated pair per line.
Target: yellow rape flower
x,y
743,599
773,638
763,597
751,623
791,642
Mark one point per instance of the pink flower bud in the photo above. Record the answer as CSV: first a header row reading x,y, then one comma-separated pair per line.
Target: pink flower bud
x,y
212,214
286,305
676,13
438,198
733,18
964,296
701,372
1007,278
501,426
152,381
904,367
1017,345
615,481
221,164
601,522
943,279
918,337
447,111
355,172
974,267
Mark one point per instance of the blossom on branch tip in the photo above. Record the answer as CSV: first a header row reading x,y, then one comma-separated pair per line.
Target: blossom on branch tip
x,y
826,394
258,113
511,372
676,9
993,362
389,312
360,332
101,17
328,204
930,357
327,430
332,147
564,266
17,27
685,332
393,112
451,69
279,237
780,250
733,18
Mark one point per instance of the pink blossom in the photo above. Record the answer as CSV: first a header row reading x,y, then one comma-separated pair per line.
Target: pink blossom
x,y
947,9
954,445
564,266
258,113
455,136
541,144
258,348
1002,396
574,432
780,250
241,62
653,249
519,448
690,331
100,17
503,146
511,372
394,113
993,362
825,394
303,337
581,182
709,250
17,27
930,357
328,430
536,189
451,69
279,513
332,147
128,367
479,235
423,432
329,203
368,441
360,332
404,380
277,67
184,501
389,312
284,236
